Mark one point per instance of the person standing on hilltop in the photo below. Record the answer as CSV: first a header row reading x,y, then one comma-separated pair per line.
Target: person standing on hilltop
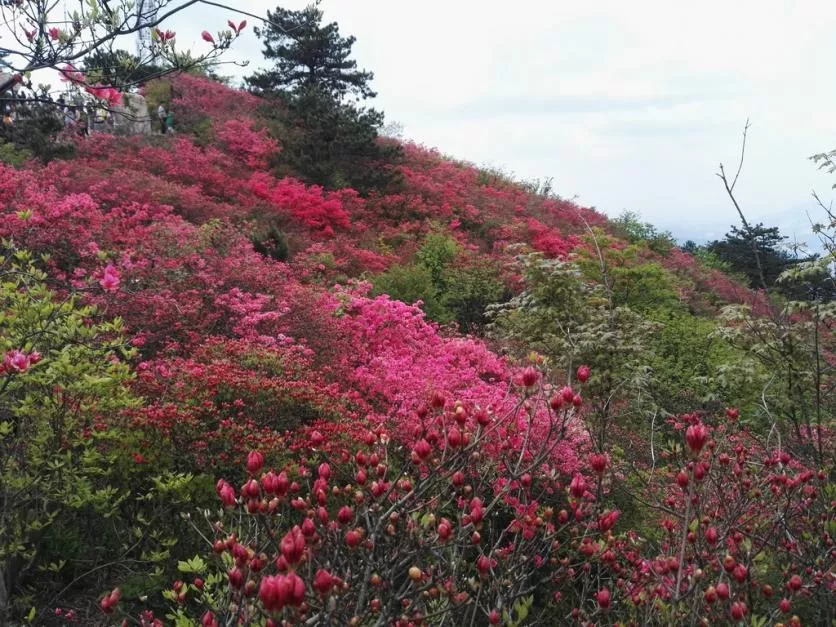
x,y
162,115
169,122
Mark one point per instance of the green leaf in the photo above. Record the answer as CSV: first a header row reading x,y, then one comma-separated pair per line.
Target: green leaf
x,y
194,565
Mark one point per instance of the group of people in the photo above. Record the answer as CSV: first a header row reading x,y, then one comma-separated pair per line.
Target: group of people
x,y
19,104
83,117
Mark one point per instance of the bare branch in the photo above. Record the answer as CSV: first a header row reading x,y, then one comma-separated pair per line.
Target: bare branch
x,y
730,191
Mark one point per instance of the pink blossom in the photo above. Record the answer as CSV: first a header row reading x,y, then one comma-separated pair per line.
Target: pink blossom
x,y
16,361
110,281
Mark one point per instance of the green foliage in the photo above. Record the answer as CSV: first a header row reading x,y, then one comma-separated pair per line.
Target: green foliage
x,y
688,362
13,155
789,348
826,161
158,92
76,504
573,322
271,243
325,140
812,280
453,285
410,284
118,67
630,279
34,133
472,286
710,259
629,226
436,254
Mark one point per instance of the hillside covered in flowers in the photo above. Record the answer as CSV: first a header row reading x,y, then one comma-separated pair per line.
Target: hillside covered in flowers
x,y
230,396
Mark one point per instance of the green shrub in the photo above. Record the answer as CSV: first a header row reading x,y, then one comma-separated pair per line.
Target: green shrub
x,y
79,505
411,283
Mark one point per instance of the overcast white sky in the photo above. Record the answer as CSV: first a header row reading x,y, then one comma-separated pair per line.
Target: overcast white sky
x,y
628,105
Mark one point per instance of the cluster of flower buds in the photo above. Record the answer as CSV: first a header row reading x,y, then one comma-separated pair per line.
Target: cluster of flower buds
x,y
278,591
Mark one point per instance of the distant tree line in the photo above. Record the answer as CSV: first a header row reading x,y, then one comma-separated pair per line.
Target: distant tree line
x,y
759,255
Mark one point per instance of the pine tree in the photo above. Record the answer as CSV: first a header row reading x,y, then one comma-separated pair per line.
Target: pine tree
x,y
326,138
308,56
738,250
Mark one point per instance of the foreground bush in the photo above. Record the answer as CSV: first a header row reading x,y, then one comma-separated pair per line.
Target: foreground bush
x,y
469,523
79,504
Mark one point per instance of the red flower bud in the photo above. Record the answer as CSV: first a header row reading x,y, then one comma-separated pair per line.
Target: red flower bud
x,y
236,577
269,482
696,437
207,37
484,564
738,610
599,462
483,418
422,449
454,437
711,536
323,582
530,377
345,515
603,598
255,461
445,529
227,494
577,487
251,489
353,538
583,374
324,471
282,484
292,545
308,528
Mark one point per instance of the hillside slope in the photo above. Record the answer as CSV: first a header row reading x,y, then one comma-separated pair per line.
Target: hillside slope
x,y
259,313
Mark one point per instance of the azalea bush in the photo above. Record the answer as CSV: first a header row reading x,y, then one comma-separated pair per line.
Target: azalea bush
x,y
78,503
457,524
187,319
454,526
